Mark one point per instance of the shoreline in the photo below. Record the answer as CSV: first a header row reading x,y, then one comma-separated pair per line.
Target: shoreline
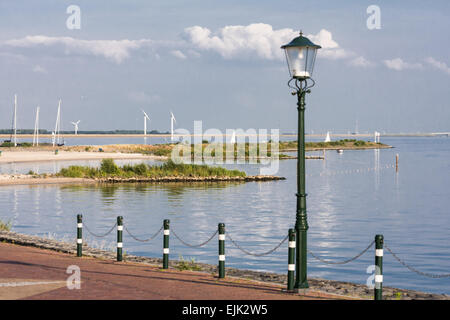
x,y
344,289
24,179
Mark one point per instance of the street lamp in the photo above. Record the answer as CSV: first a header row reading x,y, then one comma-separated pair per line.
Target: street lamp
x,y
300,56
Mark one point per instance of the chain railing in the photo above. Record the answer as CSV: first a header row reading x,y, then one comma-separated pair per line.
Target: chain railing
x,y
425,274
344,261
143,240
101,235
222,235
195,245
256,254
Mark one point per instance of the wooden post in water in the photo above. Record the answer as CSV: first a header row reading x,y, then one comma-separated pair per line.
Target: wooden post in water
x,y
396,162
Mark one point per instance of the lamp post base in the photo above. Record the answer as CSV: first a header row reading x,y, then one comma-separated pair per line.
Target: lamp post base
x,y
302,286
301,291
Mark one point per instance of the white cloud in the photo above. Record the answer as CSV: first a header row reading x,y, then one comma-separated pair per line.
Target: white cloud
x,y
39,69
178,54
361,62
259,40
115,50
438,64
330,48
398,64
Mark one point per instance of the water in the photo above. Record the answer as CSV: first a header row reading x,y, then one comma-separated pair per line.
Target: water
x,y
351,197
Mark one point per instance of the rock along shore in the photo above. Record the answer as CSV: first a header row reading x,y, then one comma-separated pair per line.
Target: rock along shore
x,y
189,179
335,287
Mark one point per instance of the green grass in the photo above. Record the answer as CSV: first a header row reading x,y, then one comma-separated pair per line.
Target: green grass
x,y
5,226
109,168
348,143
187,265
239,150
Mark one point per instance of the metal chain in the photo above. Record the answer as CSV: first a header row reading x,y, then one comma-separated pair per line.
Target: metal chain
x,y
143,240
97,235
257,254
194,246
342,262
425,274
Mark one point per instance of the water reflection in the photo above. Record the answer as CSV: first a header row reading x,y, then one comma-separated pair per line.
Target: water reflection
x,y
346,208
108,194
377,167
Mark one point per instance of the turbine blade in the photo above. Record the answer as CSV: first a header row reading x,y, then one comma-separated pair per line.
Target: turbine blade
x,y
145,114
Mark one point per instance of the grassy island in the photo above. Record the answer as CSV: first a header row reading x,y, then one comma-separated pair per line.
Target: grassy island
x,y
109,168
333,145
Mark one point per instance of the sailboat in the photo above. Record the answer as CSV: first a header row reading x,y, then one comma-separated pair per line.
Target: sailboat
x,y
233,137
328,139
56,134
13,135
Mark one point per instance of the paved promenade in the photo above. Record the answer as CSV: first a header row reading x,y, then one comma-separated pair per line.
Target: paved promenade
x,y
32,273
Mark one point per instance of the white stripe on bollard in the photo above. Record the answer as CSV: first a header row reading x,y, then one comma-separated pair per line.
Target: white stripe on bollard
x,y
79,225
166,232
79,240
378,278
291,267
119,244
119,228
221,257
166,250
222,237
291,244
379,252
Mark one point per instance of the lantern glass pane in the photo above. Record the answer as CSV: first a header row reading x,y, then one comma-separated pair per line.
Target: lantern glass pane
x,y
310,60
301,61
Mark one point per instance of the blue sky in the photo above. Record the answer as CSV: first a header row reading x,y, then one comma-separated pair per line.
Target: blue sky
x,y
219,62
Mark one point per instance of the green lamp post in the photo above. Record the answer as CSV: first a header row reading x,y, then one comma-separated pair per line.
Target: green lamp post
x,y
300,56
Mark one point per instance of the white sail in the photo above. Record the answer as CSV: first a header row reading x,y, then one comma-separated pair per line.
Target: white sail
x,y
233,137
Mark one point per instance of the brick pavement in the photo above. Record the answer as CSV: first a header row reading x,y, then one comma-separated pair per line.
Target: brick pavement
x,y
32,273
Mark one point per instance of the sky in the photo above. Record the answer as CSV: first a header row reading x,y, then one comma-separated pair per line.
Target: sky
x,y
220,62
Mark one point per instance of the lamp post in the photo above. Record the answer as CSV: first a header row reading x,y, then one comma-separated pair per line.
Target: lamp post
x,y
300,56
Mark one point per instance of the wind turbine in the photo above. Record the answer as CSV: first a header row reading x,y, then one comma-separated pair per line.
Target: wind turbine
x,y
172,121
75,124
36,128
146,117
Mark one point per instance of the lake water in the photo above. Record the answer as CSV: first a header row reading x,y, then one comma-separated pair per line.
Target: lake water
x,y
351,197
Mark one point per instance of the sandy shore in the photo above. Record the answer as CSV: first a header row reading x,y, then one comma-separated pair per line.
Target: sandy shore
x,y
34,156
22,179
